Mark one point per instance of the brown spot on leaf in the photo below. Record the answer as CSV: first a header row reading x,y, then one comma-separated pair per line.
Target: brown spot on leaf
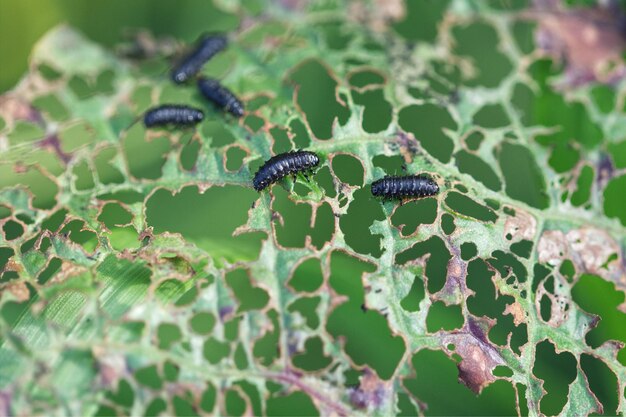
x,y
143,45
478,356
371,393
517,311
293,4
147,234
111,367
377,16
589,248
52,142
589,40
13,108
455,287
11,265
5,403
19,290
68,270
522,226
559,301
408,146
324,398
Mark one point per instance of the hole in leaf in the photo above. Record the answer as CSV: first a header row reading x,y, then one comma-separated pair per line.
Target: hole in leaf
x,y
613,198
355,224
209,395
411,215
491,65
292,231
365,77
316,97
523,178
189,154
215,350
301,137
209,219
421,20
282,143
266,348
602,381
149,377
442,317
202,322
599,297
435,383
524,32
366,333
473,165
307,277
468,250
83,176
468,207
523,248
108,173
348,169
313,357
234,403
168,334
447,224
249,296
436,265
618,153
427,122
415,295
234,158
12,230
492,116
306,307
557,372
183,406
217,133
53,267
392,165
377,112
296,403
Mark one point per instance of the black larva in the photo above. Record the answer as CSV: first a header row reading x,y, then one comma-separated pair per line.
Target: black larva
x,y
220,95
193,62
172,114
282,165
404,186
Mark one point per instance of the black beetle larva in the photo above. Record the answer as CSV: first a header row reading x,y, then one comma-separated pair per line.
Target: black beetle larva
x,y
172,114
220,95
397,187
282,165
192,63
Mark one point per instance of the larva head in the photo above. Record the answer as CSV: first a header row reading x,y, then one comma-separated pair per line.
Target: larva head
x,y
377,188
195,116
259,183
433,187
312,159
236,109
180,77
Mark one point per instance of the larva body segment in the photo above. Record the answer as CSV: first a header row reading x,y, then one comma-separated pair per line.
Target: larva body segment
x,y
192,63
398,187
282,165
172,114
221,96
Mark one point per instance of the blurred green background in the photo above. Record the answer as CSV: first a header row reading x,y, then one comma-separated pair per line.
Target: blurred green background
x,y
23,22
